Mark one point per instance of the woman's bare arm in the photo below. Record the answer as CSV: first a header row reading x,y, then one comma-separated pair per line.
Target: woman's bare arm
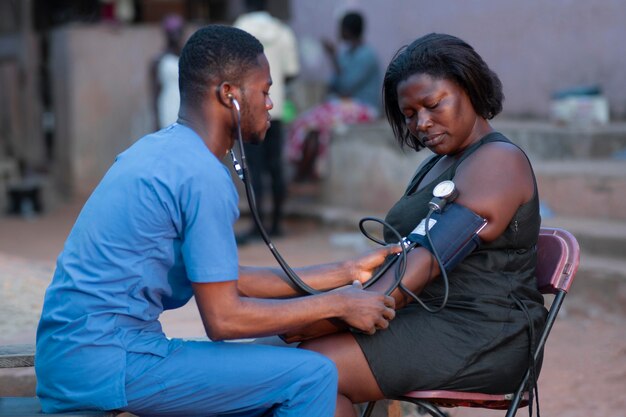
x,y
494,182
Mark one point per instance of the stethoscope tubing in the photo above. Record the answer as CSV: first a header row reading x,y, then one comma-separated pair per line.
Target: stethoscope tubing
x,y
243,173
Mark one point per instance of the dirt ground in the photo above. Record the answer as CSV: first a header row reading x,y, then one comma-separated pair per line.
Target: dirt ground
x,y
584,372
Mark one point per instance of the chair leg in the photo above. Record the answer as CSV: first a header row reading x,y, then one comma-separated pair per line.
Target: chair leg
x,y
431,409
424,406
369,409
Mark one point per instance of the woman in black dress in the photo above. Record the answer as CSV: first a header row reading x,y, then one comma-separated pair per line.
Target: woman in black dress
x,y
439,94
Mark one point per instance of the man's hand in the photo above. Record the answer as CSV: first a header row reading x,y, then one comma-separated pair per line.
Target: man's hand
x,y
362,268
329,47
366,311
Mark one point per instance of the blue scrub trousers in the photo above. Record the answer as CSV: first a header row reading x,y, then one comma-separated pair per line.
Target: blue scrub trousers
x,y
231,379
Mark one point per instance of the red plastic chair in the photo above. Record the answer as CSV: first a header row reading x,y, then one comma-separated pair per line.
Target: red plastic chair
x,y
558,257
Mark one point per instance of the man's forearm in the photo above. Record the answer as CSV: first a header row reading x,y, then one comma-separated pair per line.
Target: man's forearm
x,y
261,282
262,317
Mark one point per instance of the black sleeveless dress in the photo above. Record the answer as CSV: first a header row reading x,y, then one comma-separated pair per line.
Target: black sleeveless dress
x,y
480,340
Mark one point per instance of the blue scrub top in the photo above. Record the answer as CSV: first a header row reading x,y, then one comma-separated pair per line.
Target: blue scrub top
x,y
161,218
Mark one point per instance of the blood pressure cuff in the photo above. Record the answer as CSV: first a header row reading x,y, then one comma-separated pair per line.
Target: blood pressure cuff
x,y
454,233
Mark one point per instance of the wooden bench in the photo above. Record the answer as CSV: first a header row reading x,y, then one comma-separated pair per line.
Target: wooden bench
x,y
20,356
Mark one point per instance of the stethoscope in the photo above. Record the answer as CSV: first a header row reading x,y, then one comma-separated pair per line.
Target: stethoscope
x,y
241,168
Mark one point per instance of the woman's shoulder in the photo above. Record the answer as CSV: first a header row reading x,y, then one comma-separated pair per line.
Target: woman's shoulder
x,y
497,170
496,167
498,151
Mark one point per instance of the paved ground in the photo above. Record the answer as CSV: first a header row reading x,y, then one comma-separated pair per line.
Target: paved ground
x,y
585,367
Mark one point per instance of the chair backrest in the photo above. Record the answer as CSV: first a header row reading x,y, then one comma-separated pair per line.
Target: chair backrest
x,y
558,257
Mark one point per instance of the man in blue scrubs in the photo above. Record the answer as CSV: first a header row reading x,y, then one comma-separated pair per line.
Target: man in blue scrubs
x,y
158,230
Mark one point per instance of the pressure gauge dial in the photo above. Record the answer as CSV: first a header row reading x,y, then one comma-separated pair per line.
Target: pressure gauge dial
x,y
446,190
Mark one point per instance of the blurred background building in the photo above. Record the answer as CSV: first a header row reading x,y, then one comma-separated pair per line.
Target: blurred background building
x,y
74,88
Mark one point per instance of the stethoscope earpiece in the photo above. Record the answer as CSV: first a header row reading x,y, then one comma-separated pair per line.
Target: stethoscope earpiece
x,y
232,98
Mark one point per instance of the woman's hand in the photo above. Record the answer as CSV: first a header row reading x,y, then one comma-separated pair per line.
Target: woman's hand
x,y
362,267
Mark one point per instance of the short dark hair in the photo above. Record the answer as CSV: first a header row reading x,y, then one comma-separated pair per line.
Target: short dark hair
x,y
444,57
213,54
353,23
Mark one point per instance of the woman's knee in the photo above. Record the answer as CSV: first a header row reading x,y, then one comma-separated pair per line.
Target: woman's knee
x,y
319,365
332,348
356,380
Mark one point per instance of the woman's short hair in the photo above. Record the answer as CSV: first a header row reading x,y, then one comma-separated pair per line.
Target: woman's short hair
x,y
213,54
444,57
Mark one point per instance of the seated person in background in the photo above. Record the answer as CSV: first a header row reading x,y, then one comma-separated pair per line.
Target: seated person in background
x,y
438,93
354,98
157,230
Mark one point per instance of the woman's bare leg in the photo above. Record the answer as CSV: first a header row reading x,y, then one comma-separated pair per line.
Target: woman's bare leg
x,y
356,381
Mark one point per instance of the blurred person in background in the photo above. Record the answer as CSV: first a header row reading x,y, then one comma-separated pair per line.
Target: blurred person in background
x,y
354,97
265,160
164,73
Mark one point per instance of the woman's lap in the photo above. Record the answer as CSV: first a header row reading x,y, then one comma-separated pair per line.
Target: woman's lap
x,y
422,351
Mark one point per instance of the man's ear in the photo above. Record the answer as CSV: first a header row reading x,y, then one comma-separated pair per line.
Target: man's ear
x,y
226,92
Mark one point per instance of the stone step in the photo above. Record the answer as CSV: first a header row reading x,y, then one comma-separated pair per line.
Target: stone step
x,y
583,188
543,140
596,237
578,171
599,288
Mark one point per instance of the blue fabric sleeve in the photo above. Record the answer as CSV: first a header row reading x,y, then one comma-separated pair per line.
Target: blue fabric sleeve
x,y
209,206
357,69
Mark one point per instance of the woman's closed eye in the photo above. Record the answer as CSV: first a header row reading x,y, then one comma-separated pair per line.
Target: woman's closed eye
x,y
431,106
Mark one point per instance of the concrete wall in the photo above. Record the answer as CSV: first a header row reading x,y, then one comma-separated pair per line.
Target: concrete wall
x,y
20,109
367,169
100,72
578,172
535,46
101,98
